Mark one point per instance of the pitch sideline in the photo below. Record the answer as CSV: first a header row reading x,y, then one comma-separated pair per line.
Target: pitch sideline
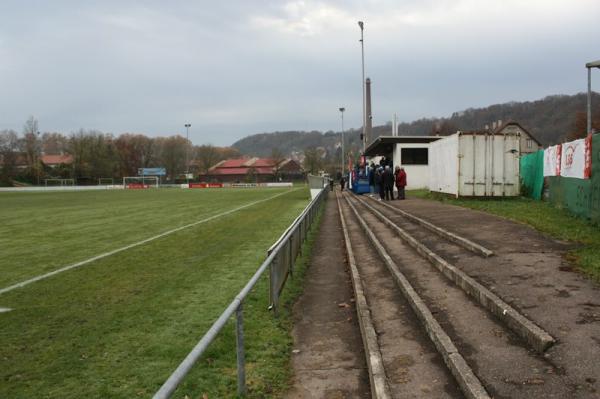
x,y
135,244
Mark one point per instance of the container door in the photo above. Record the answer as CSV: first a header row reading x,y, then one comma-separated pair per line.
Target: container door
x,y
489,150
497,161
511,170
443,165
466,179
479,166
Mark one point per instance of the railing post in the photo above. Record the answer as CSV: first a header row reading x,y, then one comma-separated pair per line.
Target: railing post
x,y
301,229
291,264
241,358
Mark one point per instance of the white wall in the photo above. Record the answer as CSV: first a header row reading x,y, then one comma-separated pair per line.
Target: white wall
x,y
417,176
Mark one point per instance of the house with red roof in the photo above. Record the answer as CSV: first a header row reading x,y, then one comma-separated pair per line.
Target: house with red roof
x,y
49,160
254,170
53,161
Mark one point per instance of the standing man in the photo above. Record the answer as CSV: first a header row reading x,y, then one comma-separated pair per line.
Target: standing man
x,y
388,183
342,183
396,171
401,183
372,179
379,182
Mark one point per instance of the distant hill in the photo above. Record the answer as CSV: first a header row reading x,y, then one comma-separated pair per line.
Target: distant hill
x,y
549,120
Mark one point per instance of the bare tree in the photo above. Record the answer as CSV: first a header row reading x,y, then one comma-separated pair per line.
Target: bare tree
x,y
134,151
579,128
31,147
206,156
54,143
94,155
278,158
312,160
444,128
172,154
9,146
30,133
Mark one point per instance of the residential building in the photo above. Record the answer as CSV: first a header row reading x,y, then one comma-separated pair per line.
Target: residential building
x,y
254,170
529,143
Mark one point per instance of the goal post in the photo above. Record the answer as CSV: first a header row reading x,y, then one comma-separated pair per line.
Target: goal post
x,y
59,182
140,182
107,181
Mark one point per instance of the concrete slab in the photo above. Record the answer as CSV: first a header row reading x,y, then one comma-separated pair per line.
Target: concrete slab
x,y
531,273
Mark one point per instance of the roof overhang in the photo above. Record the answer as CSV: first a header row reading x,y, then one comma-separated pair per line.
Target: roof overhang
x,y
384,145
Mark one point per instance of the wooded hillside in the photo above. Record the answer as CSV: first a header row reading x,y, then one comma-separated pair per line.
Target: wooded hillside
x,y
550,120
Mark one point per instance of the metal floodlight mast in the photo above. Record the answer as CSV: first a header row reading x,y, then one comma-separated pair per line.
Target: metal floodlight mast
x,y
39,161
187,161
589,66
362,48
342,109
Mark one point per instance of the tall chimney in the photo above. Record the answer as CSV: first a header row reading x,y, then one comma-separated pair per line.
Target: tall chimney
x,y
369,128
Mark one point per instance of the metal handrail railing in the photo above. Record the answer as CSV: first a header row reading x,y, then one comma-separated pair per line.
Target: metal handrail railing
x,y
299,226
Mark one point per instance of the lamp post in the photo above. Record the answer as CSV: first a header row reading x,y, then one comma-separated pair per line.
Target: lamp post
x,y
589,66
362,49
342,109
38,153
187,161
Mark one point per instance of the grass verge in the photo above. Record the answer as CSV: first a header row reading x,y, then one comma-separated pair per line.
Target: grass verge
x,y
555,222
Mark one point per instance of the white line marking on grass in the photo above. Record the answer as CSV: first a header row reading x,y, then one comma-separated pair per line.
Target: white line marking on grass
x,y
4,310
106,254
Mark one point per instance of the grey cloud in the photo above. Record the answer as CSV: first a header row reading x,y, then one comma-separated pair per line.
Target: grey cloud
x,y
234,68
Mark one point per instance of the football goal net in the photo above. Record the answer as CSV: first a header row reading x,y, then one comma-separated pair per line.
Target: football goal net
x,y
140,182
106,181
59,182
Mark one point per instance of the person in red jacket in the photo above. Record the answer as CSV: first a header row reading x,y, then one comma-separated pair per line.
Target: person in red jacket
x,y
401,182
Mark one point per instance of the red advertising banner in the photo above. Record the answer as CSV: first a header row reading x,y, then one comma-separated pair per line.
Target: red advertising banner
x,y
587,171
576,159
552,160
205,185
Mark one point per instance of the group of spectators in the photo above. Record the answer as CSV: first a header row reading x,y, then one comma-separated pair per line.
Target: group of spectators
x,y
382,180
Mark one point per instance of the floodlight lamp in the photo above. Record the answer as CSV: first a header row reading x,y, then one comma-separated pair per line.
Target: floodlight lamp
x,y
594,64
361,24
342,109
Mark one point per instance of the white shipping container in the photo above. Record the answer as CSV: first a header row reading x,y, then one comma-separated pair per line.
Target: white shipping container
x,y
475,165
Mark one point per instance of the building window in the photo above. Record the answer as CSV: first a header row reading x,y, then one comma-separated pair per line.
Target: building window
x,y
529,143
414,156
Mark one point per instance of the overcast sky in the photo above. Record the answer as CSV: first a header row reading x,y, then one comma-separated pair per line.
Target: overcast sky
x,y
237,67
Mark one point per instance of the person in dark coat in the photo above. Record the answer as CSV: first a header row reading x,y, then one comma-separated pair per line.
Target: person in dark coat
x,y
379,182
388,183
372,179
342,183
396,171
401,183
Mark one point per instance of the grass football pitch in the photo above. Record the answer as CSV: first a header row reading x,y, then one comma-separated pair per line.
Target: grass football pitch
x,y
118,326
